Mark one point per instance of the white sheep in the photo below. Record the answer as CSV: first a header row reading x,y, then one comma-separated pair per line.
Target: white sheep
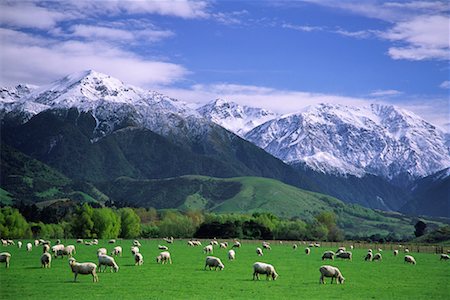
x,y
112,241
117,251
395,252
410,259
214,262
94,242
231,255
168,240
333,272
344,255
29,246
236,244
317,245
208,249
351,247
164,257
223,245
46,260
406,250
58,250
266,245
370,250
190,243
101,251
70,250
307,250
214,243
136,243
328,255
107,261
45,248
263,268
19,244
161,247
294,246
138,259
380,250
134,250
80,241
5,257
259,252
377,256
369,256
83,268
445,257
36,243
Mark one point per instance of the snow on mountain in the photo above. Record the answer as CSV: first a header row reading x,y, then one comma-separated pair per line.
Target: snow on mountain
x,y
379,139
234,117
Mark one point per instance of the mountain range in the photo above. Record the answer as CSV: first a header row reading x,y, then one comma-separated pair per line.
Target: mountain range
x,y
91,126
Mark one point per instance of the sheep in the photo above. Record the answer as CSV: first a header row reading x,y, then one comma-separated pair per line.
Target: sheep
x,y
333,272
307,250
19,244
208,249
45,248
410,259
236,244
406,250
190,244
370,250
117,251
351,247
138,259
4,242
83,268
344,255
58,241
29,246
163,257
377,257
197,243
380,250
136,243
294,246
134,250
80,241
231,255
328,255
107,261
36,243
58,250
5,257
101,251
341,249
168,240
214,243
369,256
94,242
445,257
46,260
263,268
311,245
395,252
112,241
259,251
70,250
266,245
223,245
317,245
213,262
161,247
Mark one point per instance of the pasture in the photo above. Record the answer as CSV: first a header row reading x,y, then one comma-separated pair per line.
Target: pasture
x,y
186,278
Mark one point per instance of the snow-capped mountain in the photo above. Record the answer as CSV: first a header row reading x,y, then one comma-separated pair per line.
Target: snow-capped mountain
x,y
234,117
379,139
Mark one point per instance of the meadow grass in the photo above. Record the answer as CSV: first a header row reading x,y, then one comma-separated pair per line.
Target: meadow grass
x,y
186,279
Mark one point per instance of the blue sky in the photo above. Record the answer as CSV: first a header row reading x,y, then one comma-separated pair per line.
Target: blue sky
x,y
282,55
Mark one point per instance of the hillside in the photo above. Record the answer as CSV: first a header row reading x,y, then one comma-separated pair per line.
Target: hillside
x,y
252,194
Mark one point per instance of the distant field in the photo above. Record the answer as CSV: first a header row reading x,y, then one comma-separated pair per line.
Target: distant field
x,y
186,279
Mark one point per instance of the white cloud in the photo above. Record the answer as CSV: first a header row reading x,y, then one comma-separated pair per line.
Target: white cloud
x,y
385,93
305,28
38,61
445,84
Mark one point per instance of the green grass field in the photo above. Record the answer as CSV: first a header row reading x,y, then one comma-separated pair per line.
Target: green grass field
x,y
186,279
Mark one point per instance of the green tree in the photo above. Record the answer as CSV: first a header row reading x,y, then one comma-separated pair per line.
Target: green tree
x,y
130,223
82,224
13,224
107,223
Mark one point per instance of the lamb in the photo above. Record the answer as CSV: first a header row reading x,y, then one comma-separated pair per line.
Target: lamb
x,y
19,244
369,256
231,255
163,257
307,250
410,259
395,252
333,272
208,249
223,245
70,250
5,257
344,255
101,251
263,268
259,251
377,257
213,262
136,243
107,261
138,259
160,247
294,246
83,268
117,251
46,260
134,250
328,255
236,245
445,257
29,246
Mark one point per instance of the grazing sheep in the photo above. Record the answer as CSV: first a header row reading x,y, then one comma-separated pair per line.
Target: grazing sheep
x,y
83,268
259,251
136,243
4,242
214,243
410,259
112,241
406,250
317,245
160,247
94,242
36,243
70,250
58,250
445,257
138,259
223,245
351,247
344,255
190,244
266,245
341,249
45,248
107,261
134,250
294,246
29,246
168,240
377,256
208,249
5,257
380,250
311,245
213,262
19,244
236,245
163,258
231,255
80,241
395,252
370,250
333,272
101,251
369,256
197,243
263,268
307,250
46,260
328,255
58,241
117,251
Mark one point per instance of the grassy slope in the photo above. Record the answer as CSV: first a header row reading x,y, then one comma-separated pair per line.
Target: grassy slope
x,y
186,279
